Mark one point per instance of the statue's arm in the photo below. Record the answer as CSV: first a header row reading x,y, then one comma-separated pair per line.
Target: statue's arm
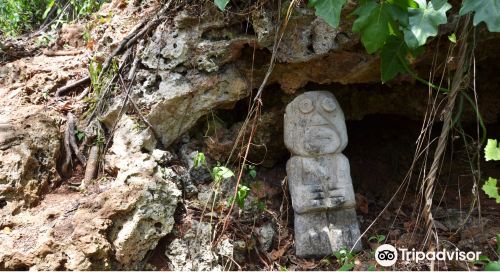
x,y
345,186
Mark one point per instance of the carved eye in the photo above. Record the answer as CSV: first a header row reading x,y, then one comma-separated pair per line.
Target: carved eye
x,y
306,106
328,105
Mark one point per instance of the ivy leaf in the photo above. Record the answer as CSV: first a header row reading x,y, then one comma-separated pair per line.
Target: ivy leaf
x,y
373,24
424,22
328,10
221,4
492,150
484,10
491,190
437,4
399,14
393,58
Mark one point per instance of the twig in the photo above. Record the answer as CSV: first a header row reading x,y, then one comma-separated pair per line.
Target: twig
x,y
83,94
81,82
136,108
430,181
62,52
133,36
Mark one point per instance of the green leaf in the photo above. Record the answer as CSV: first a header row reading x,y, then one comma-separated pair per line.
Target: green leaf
x,y
498,244
49,7
199,160
221,172
393,58
492,150
437,4
252,173
379,238
328,10
373,24
346,267
493,266
491,190
221,4
453,38
484,259
424,22
241,195
79,135
398,14
484,10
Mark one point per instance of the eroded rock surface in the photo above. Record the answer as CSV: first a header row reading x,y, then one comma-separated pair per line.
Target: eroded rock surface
x,y
193,251
29,149
109,226
194,64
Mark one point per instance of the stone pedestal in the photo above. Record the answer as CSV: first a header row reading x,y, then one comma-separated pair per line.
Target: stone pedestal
x,y
319,176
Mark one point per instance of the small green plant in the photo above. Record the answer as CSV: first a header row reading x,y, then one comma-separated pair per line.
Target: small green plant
x,y
18,16
220,173
488,264
345,258
200,160
252,172
379,238
79,135
492,152
241,195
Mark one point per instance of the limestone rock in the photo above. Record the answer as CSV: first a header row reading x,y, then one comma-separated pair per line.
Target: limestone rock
x,y
77,232
112,227
193,251
29,149
265,236
319,176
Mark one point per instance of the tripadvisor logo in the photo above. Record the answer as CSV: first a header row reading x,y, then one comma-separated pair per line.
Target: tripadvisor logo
x,y
387,255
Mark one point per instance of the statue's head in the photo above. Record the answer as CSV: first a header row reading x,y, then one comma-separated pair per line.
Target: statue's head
x,y
315,125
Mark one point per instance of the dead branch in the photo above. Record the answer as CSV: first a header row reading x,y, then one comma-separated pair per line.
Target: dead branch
x,y
70,145
83,94
92,164
81,82
62,52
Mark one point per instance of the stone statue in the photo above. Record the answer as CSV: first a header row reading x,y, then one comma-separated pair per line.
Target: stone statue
x,y
319,176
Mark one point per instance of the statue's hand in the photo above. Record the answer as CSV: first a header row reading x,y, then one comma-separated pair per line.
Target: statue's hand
x,y
336,198
324,200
